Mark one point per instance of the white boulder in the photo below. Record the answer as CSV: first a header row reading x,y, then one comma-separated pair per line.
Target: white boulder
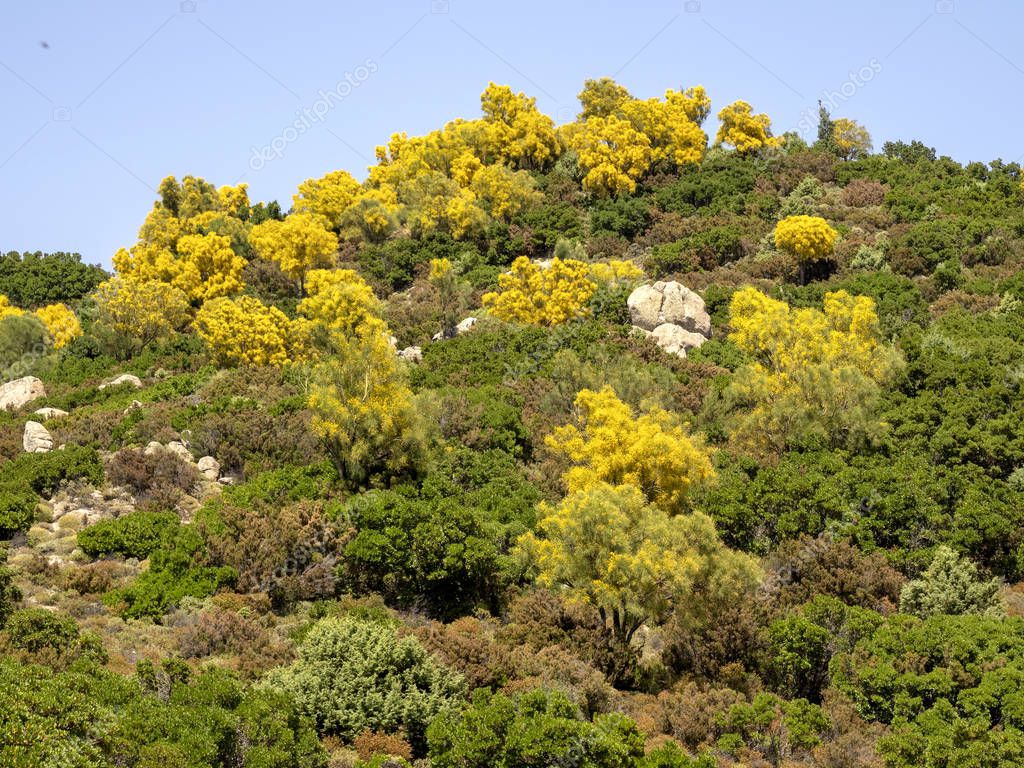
x,y
124,378
49,413
671,302
210,467
20,392
36,438
411,354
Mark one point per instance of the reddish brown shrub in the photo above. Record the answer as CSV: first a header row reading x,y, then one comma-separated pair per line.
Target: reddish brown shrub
x,y
861,193
370,743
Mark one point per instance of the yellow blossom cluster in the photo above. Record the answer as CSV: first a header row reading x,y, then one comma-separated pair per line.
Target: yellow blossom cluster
x,y
619,138
61,324
652,451
303,241
542,295
191,240
143,310
809,238
744,130
814,372
338,299
244,331
59,320
7,309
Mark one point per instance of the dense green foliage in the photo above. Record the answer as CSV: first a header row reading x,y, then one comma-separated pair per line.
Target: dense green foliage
x,y
799,544
34,279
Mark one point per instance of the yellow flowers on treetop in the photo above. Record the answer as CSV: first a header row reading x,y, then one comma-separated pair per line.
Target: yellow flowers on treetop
x,y
244,331
143,310
808,238
621,137
744,130
338,299
189,240
851,138
517,132
613,153
608,547
61,324
329,196
651,452
364,410
537,295
301,242
816,374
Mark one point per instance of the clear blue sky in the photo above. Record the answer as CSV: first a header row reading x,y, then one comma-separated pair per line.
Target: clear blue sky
x,y
101,100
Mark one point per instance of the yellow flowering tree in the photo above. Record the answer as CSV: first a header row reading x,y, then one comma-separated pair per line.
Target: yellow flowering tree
x,y
816,374
61,324
744,130
613,153
192,239
245,332
609,547
303,241
329,196
851,139
673,135
142,310
338,299
651,452
364,409
517,132
808,238
538,295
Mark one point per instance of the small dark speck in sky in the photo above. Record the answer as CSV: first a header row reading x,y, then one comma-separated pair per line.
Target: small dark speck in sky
x,y
44,44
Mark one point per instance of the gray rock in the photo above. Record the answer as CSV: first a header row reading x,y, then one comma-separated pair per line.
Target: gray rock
x,y
210,467
49,413
178,448
411,354
465,325
654,305
20,392
124,378
152,447
676,340
36,438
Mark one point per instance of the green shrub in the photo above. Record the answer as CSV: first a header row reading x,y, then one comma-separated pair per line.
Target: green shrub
x,y
536,728
34,629
34,279
23,341
17,508
355,675
43,473
176,571
136,534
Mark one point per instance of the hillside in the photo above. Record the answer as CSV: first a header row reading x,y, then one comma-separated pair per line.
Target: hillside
x,y
609,443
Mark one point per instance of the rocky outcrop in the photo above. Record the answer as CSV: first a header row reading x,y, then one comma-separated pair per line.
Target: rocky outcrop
x,y
411,354
36,438
210,467
49,413
461,328
671,314
654,305
124,378
20,392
